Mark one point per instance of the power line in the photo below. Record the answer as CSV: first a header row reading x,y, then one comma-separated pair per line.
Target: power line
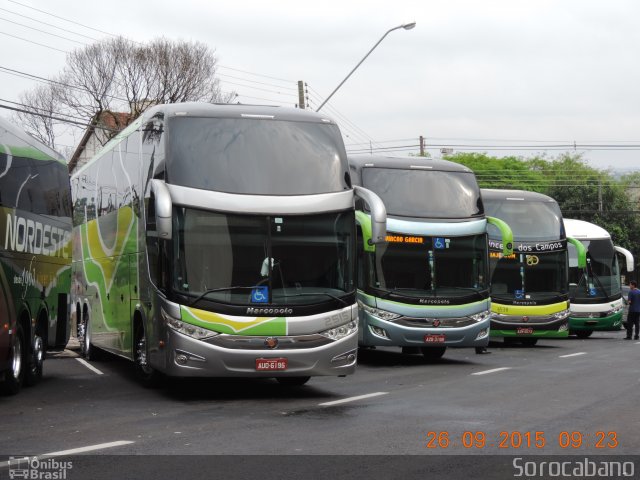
x,y
48,24
52,117
35,43
62,18
43,31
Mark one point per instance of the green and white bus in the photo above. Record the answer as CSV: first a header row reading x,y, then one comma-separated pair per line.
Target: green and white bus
x,y
219,240
530,287
35,256
427,288
595,290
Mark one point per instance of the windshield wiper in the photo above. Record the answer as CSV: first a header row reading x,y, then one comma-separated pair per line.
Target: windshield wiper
x,y
214,290
316,294
400,289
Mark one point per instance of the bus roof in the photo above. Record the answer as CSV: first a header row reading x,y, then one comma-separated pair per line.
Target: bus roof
x,y
580,230
521,195
200,109
358,162
14,141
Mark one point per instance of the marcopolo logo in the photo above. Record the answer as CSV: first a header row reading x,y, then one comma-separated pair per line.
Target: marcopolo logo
x,y
24,235
269,311
579,468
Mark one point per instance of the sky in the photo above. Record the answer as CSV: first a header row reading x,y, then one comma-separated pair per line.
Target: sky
x,y
505,77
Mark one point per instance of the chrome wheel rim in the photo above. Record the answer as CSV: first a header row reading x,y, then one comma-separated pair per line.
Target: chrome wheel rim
x,y
16,361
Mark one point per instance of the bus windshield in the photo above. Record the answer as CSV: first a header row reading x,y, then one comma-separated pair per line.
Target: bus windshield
x,y
600,280
295,260
256,156
425,193
418,266
529,221
528,276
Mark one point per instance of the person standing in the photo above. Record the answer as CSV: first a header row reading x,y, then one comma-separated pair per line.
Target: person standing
x,y
633,317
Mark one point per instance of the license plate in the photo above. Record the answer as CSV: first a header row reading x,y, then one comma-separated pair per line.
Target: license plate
x,y
434,338
271,364
524,330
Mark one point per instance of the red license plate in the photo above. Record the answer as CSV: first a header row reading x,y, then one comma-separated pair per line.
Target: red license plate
x,y
271,364
524,330
434,338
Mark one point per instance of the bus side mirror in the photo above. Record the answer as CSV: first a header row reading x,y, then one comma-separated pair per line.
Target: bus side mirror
x,y
163,208
378,214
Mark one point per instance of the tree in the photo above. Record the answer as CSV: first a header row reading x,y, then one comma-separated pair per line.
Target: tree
x,y
119,75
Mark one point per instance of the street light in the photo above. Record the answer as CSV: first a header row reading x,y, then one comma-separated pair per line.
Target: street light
x,y
406,26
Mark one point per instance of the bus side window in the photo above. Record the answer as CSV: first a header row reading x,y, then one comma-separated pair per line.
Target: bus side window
x,y
153,242
360,260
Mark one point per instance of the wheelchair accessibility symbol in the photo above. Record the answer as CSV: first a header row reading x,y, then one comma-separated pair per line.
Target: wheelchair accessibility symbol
x,y
532,260
260,295
440,243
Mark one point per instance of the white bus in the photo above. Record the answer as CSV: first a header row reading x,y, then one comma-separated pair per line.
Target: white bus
x,y
596,290
219,240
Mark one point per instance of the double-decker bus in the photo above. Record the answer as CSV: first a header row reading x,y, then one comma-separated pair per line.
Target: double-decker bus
x,y
427,288
595,290
529,288
35,256
219,240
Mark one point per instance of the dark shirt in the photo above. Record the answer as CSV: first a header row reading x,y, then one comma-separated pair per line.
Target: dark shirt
x,y
634,300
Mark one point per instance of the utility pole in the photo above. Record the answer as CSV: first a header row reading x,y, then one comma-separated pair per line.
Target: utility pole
x,y
301,94
600,195
421,146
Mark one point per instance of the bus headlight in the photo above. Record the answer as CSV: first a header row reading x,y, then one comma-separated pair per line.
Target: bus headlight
x,y
378,313
188,329
336,333
482,316
560,315
613,311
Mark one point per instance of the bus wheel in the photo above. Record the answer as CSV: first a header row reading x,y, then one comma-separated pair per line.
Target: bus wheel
x,y
84,337
148,376
433,353
583,333
13,378
292,381
36,364
528,342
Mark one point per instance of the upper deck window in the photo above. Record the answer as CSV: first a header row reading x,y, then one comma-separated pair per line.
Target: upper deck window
x,y
424,193
256,156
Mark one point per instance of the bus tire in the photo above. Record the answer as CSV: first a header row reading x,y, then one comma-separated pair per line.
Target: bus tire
x,y
36,360
583,333
433,353
15,375
292,381
84,335
528,342
147,375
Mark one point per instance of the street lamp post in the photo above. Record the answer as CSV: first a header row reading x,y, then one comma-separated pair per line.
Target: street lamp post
x,y
406,26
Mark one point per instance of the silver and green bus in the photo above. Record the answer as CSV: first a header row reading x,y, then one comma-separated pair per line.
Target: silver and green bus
x,y
427,288
530,287
219,240
595,290
35,256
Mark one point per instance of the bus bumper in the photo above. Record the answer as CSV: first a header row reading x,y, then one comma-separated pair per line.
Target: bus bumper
x,y
552,329
377,332
189,357
603,324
